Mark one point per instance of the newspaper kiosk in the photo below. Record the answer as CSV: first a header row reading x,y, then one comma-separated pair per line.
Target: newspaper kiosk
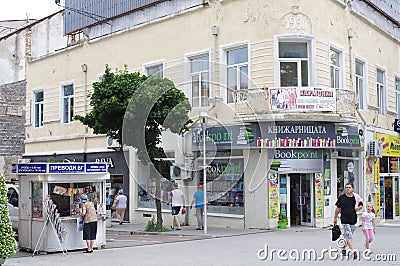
x,y
50,204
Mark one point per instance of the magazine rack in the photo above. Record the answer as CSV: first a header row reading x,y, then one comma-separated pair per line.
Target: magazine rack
x,y
53,219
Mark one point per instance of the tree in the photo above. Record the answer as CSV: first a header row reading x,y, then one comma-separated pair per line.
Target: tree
x,y
8,245
135,110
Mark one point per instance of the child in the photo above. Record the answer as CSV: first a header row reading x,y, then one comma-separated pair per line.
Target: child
x,y
368,224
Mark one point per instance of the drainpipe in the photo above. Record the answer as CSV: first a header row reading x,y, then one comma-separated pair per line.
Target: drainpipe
x,y
214,32
84,69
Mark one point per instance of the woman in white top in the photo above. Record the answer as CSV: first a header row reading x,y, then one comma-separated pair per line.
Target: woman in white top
x,y
120,206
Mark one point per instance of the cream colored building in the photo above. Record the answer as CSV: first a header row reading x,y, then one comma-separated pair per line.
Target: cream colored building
x,y
314,82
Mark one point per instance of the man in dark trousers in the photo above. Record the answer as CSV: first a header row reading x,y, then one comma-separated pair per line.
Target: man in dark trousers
x,y
346,205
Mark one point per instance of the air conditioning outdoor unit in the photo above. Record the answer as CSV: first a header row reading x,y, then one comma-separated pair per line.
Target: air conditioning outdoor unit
x,y
112,143
375,148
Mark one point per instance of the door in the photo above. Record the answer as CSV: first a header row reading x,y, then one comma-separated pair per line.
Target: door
x,y
396,196
305,199
301,199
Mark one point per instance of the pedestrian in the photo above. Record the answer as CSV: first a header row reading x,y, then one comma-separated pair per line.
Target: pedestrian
x,y
368,224
89,223
177,200
198,200
346,205
120,205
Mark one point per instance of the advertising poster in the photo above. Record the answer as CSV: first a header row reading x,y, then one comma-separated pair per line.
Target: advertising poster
x,y
273,195
319,196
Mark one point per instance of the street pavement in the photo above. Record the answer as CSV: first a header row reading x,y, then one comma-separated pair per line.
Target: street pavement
x,y
226,246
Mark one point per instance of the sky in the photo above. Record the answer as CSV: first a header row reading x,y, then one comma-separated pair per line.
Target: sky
x,y
36,9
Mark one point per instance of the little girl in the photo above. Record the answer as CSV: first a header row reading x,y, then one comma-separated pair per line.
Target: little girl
x,y
368,224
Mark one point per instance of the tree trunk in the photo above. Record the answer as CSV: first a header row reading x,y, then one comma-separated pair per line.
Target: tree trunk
x,y
158,202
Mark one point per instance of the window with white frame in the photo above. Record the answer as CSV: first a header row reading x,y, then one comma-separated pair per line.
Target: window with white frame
x,y
237,73
335,67
360,84
38,108
293,64
155,70
381,92
200,80
397,85
67,103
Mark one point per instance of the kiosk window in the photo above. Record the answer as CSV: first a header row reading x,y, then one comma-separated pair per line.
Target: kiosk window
x,y
37,200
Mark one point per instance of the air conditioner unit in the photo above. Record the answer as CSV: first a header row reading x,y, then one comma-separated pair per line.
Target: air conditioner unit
x,y
375,148
112,143
24,160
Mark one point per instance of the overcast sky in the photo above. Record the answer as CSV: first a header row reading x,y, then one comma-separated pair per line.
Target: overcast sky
x,y
36,9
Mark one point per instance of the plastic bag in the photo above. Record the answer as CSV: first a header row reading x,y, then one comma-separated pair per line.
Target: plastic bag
x,y
183,210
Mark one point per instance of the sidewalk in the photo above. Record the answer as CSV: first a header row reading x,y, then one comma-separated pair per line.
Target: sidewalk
x,y
138,229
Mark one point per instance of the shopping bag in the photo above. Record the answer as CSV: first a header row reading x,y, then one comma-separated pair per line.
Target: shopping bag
x,y
336,232
183,210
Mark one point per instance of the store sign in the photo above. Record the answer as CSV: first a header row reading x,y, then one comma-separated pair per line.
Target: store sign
x,y
59,168
227,137
309,135
390,144
302,99
30,168
397,125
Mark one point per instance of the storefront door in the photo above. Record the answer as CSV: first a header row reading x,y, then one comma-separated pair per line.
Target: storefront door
x,y
389,200
396,197
301,206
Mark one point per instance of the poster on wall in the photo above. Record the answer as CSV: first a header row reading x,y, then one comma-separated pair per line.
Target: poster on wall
x,y
273,195
319,196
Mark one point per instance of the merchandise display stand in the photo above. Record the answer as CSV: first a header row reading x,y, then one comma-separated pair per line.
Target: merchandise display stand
x,y
51,214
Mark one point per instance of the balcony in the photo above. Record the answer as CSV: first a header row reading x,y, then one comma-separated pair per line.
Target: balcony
x,y
299,104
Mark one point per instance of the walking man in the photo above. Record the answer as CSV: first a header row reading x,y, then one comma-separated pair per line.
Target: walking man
x,y
346,205
177,200
198,200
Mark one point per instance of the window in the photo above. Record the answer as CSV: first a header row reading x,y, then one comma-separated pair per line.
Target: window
x,y
237,72
360,84
335,65
397,86
293,64
155,70
200,80
68,103
380,91
38,109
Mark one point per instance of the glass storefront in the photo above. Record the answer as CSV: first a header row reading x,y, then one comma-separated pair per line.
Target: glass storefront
x,y
348,169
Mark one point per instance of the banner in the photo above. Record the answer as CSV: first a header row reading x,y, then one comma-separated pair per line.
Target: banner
x,y
302,99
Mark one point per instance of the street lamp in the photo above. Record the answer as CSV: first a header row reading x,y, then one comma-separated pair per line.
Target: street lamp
x,y
203,118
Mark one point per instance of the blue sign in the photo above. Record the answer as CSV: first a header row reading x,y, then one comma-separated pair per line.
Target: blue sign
x,y
397,125
96,168
59,168
67,168
31,168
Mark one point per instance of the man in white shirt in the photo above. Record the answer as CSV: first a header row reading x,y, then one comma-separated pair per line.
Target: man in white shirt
x,y
177,200
120,206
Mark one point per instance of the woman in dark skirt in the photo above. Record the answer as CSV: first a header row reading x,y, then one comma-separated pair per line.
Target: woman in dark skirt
x,y
89,223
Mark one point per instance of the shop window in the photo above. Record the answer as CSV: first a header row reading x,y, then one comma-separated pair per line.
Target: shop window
x,y
66,196
147,186
225,186
347,172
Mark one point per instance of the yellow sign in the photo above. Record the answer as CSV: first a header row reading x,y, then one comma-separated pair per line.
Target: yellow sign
x,y
377,186
319,196
390,144
273,195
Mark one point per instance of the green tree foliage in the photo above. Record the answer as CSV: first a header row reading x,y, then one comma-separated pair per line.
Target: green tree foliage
x,y
8,245
109,100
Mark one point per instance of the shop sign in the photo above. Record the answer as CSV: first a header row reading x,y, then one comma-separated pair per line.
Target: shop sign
x,y
30,168
227,137
302,99
390,144
107,160
59,168
308,135
397,125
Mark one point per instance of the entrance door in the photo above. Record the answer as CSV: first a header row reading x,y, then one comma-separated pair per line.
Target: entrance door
x,y
396,196
301,195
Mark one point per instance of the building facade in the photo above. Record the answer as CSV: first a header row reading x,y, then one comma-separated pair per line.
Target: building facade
x,y
294,93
